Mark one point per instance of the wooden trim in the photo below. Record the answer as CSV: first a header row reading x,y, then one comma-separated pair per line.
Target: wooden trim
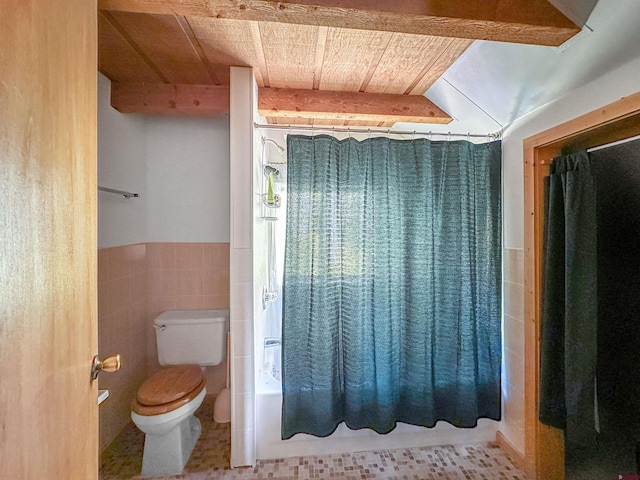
x,y
549,446
512,452
348,106
544,448
535,22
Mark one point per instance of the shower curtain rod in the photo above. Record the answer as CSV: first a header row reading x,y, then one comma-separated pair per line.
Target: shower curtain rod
x,y
388,131
613,144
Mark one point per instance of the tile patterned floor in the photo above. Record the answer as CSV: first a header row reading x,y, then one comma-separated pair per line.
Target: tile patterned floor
x,y
210,460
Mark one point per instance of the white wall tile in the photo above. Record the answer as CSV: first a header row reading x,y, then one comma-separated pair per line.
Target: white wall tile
x,y
513,407
514,334
514,369
514,435
242,375
512,424
241,303
243,338
241,265
244,411
240,208
241,155
243,449
514,300
514,265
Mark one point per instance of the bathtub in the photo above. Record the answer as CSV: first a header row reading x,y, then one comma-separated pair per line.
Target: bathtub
x,y
269,444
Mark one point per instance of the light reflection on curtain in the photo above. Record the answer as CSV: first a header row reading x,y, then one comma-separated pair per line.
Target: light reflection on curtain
x,y
392,284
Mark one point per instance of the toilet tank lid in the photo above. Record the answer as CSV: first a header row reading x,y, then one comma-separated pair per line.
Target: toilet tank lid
x,y
191,316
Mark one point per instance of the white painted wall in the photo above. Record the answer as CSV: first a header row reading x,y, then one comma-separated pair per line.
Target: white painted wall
x,y
178,165
187,179
614,85
121,165
509,81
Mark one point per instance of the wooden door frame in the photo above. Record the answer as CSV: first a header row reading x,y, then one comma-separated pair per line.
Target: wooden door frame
x,y
544,446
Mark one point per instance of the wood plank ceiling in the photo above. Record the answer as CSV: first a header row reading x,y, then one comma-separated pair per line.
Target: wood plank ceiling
x,y
172,56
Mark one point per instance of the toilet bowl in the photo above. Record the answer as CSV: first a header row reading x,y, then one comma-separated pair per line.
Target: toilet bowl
x,y
164,410
164,407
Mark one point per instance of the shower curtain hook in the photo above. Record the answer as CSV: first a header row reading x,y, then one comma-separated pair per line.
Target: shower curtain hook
x,y
413,136
449,137
468,136
429,136
368,134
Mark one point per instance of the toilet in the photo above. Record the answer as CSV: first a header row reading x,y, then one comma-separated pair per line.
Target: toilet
x,y
164,407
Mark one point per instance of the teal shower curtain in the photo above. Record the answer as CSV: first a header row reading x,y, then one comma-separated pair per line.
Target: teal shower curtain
x,y
392,284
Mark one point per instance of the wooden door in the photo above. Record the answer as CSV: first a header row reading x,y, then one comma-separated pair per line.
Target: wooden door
x,y
48,326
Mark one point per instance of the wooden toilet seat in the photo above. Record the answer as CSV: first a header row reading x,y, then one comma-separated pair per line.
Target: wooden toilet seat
x,y
169,389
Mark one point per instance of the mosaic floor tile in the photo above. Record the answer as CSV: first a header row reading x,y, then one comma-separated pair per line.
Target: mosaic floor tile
x,y
210,460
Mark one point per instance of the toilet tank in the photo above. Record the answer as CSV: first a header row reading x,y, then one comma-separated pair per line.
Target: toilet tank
x,y
192,336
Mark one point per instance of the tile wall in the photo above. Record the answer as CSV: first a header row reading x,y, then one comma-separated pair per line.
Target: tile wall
x,y
513,374
122,328
135,284
185,276
243,111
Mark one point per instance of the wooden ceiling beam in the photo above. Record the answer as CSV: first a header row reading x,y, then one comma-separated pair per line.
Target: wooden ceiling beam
x,y
292,105
348,106
535,22
169,99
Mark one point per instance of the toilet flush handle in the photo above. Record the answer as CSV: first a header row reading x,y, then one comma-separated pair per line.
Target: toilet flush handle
x,y
109,364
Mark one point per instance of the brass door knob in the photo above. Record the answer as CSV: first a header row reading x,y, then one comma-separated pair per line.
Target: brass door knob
x,y
109,364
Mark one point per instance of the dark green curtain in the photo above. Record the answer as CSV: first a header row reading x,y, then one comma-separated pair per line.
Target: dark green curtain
x,y
392,284
568,342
